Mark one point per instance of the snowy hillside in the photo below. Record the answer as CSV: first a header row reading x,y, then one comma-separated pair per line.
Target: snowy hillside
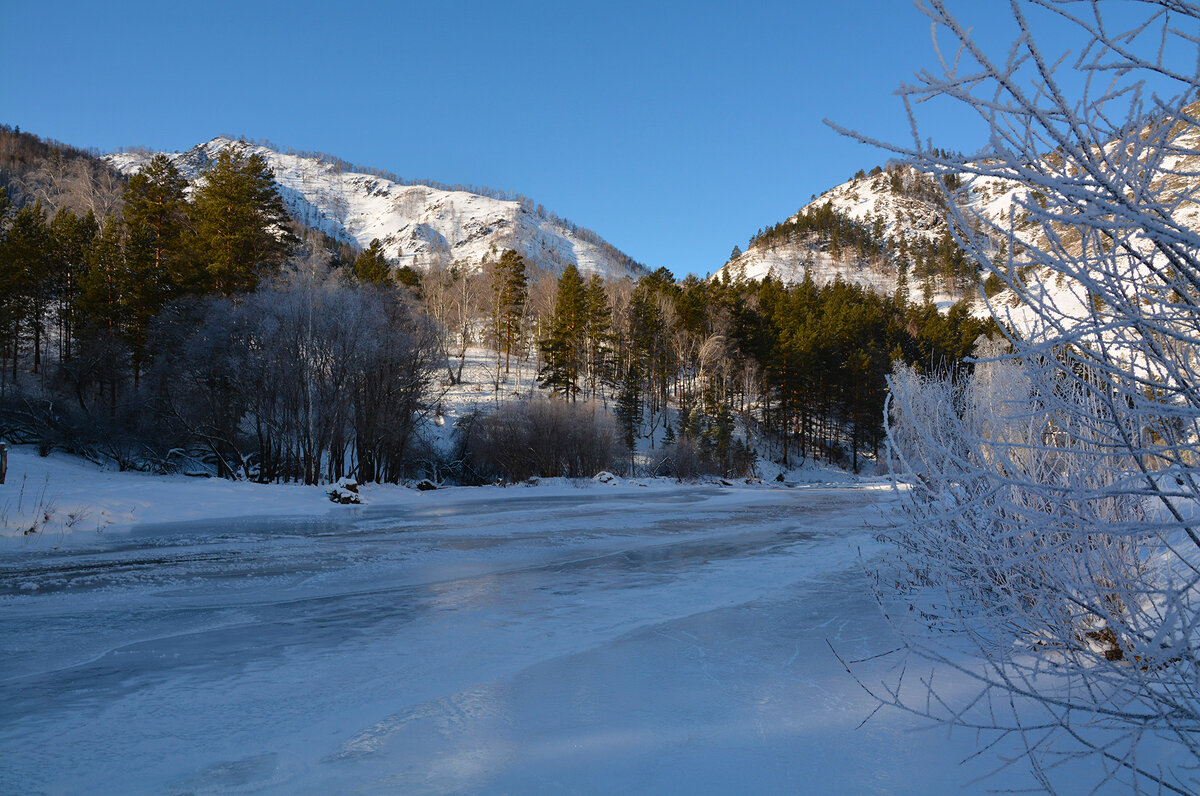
x,y
897,204
904,207
419,225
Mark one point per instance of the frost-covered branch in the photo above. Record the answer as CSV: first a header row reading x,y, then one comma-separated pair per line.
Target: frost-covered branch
x,y
1052,552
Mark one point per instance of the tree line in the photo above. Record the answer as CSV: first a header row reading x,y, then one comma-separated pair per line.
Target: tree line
x,y
204,325
798,369
716,367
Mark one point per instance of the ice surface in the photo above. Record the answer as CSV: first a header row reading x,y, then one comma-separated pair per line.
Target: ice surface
x,y
592,640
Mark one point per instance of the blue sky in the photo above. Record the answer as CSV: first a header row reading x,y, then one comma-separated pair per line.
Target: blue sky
x,y
673,130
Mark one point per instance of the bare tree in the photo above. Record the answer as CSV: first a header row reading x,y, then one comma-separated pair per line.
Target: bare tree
x,y
77,184
1051,526
309,378
543,286
455,296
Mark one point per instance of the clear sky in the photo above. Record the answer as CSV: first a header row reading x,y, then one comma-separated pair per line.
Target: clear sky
x,y
675,130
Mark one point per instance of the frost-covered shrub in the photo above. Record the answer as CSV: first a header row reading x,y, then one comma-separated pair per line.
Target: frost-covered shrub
x,y
1050,534
542,438
123,434
740,459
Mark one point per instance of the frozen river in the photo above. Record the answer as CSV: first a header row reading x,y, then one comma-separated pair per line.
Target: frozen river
x,y
475,641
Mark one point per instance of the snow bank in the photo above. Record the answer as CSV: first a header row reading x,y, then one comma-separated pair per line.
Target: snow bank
x,y
59,494
46,497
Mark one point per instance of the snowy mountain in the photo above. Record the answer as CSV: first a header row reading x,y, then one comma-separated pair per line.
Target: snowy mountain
x,y
419,224
900,211
897,206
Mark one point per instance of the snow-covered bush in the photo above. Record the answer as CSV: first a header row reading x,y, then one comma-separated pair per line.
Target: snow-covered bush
x,y
679,459
1042,537
687,458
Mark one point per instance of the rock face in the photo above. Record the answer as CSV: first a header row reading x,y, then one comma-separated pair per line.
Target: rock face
x,y
419,224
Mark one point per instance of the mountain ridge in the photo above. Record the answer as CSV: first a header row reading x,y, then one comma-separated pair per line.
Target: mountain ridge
x,y
906,214
419,224
885,216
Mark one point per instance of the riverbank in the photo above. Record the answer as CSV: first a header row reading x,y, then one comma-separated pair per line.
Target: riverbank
x,y
47,497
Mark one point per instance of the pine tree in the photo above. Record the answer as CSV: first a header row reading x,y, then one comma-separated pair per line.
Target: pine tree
x,y
156,211
102,315
597,333
902,283
629,409
510,291
563,348
71,242
102,285
142,291
371,264
242,230
25,281
407,275
154,220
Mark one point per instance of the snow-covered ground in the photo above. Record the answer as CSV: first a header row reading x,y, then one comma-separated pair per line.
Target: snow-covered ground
x,y
60,495
564,638
48,499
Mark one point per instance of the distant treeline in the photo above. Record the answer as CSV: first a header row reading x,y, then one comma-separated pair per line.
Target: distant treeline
x,y
210,332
